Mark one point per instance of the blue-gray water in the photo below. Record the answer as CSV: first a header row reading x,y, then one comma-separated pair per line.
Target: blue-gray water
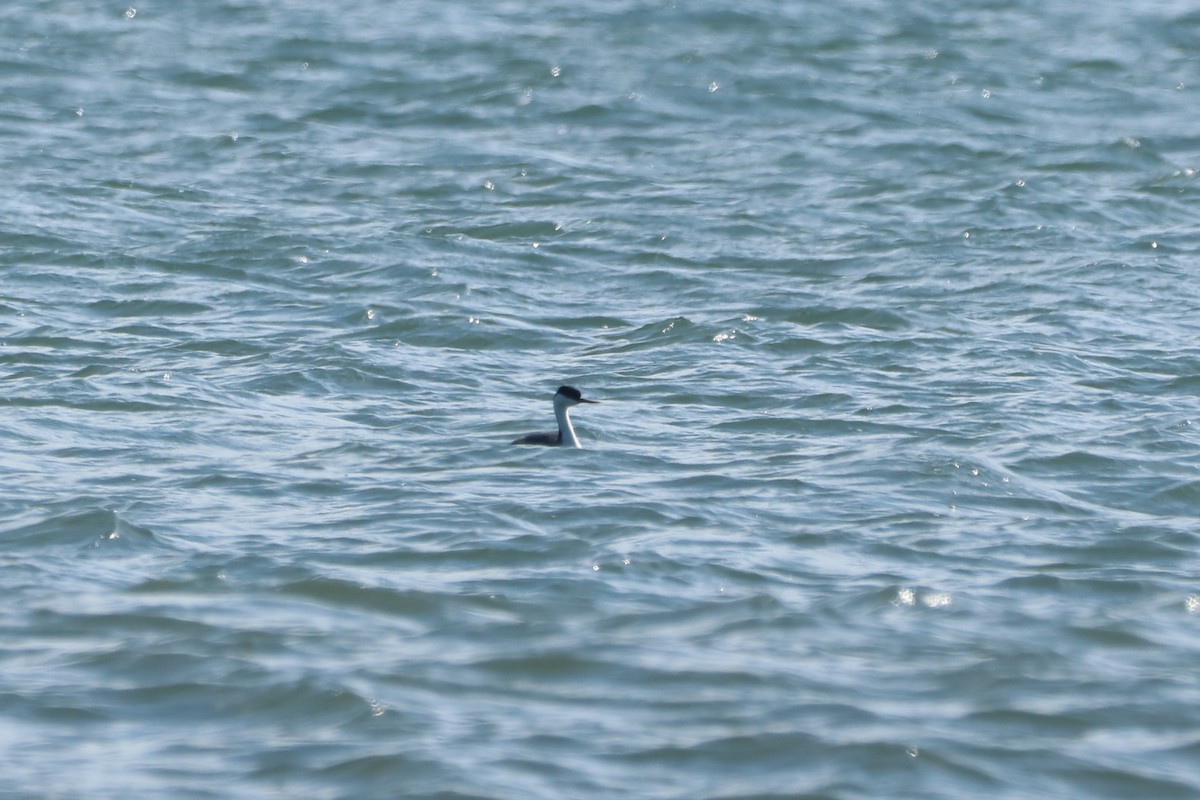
x,y
894,490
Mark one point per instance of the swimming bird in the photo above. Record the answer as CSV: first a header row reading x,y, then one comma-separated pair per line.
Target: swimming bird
x,y
564,398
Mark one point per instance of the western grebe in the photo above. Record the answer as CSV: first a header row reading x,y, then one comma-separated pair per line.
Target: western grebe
x,y
564,398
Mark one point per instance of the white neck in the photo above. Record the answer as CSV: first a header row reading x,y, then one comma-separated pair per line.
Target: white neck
x,y
563,414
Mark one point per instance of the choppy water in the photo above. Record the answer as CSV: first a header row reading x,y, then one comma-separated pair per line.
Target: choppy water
x,y
893,491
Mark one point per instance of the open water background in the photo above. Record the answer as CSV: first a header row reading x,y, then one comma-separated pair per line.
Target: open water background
x,y
892,307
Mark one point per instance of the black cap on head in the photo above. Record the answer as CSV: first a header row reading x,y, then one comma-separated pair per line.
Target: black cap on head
x,y
570,391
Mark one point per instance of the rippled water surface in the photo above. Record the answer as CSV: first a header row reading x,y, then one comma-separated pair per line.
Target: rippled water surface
x,y
893,489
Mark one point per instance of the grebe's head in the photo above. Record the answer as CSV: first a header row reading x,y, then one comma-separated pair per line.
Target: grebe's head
x,y
570,396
